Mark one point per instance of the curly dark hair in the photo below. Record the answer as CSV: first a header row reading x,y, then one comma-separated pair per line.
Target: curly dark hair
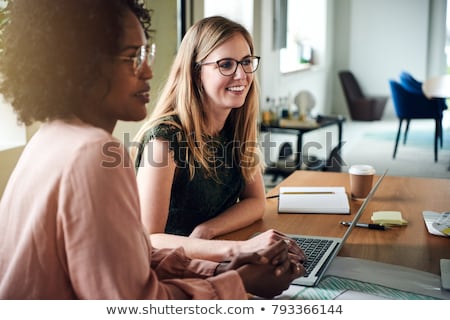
x,y
52,52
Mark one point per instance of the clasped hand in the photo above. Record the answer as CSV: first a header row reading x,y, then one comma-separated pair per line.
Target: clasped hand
x,y
268,272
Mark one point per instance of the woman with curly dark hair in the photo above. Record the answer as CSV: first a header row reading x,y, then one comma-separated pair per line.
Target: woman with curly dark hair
x,y
70,217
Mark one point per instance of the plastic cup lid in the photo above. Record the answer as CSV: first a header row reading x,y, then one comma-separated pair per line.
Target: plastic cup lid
x,y
361,169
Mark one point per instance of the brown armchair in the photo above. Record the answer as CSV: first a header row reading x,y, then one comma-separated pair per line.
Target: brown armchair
x,y
361,107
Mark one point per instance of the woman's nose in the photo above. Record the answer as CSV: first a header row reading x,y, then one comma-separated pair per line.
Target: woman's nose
x,y
146,71
240,73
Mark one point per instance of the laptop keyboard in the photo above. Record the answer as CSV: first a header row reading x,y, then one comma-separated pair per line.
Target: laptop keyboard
x,y
314,250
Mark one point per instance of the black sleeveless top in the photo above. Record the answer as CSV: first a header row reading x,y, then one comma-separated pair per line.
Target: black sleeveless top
x,y
195,201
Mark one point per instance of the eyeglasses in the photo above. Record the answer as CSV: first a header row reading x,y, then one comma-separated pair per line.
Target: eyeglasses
x,y
143,54
228,66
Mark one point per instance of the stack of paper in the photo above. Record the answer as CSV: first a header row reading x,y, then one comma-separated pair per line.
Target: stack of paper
x,y
313,200
443,223
433,221
393,218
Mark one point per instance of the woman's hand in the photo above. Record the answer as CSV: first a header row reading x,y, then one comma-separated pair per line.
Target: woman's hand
x,y
273,273
269,237
276,255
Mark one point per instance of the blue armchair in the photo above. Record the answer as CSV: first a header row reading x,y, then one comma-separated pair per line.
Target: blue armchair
x,y
412,84
411,104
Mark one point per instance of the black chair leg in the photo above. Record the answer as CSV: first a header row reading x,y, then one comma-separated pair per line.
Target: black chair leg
x,y
406,131
436,138
398,137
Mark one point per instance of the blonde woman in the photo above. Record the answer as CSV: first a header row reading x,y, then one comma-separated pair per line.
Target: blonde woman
x,y
198,165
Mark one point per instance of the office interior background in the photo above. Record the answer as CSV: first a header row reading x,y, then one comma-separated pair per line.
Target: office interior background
x,y
376,40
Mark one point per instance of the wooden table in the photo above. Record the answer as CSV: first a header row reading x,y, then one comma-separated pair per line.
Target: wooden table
x,y
411,246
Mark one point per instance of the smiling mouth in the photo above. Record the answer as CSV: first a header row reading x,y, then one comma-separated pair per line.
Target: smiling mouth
x,y
143,94
236,89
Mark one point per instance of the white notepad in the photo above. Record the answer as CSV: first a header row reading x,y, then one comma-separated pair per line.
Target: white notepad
x,y
332,200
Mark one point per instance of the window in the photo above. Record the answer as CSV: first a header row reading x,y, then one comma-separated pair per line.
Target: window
x,y
11,134
236,10
306,35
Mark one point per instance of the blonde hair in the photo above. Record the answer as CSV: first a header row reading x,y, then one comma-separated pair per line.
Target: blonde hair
x,y
182,96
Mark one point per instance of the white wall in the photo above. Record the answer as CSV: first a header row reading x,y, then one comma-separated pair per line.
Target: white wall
x,y
378,39
437,62
398,33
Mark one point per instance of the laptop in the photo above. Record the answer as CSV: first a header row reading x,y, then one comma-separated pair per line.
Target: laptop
x,y
321,251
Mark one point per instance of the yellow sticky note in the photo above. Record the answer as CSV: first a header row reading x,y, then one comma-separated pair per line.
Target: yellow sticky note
x,y
388,218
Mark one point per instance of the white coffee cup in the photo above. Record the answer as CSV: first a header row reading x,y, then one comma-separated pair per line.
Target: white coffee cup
x,y
361,180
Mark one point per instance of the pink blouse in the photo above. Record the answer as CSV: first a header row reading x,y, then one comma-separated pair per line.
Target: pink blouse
x,y
70,228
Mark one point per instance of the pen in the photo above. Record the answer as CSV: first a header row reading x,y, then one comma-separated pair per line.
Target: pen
x,y
366,225
301,192
308,192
